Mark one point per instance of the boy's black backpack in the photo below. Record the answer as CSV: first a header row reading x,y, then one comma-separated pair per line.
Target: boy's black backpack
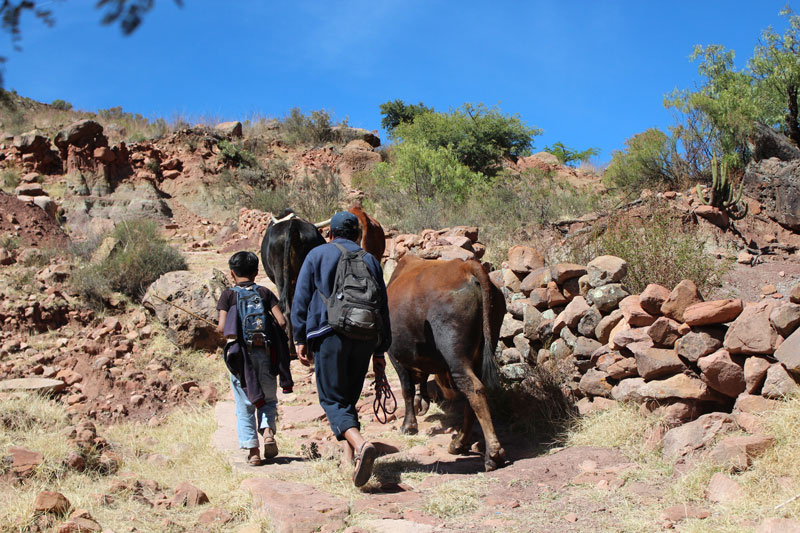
x,y
354,306
253,318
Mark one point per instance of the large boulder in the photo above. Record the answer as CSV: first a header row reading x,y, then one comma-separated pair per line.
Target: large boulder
x,y
776,184
684,294
687,438
752,332
606,269
722,374
194,292
788,353
765,143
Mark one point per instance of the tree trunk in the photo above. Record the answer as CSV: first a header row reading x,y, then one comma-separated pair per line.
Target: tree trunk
x,y
792,115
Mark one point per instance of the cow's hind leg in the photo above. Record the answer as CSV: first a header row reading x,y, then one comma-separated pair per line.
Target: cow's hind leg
x,y
468,383
461,441
422,400
409,426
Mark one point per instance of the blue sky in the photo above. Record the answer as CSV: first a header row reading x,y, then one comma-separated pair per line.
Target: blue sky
x,y
589,73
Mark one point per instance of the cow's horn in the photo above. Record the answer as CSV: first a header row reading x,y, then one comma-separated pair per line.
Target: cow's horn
x,y
323,223
274,220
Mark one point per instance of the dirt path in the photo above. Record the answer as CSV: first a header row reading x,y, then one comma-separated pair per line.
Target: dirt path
x,y
419,486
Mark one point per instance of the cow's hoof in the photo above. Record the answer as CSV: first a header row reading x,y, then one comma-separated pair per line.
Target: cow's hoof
x,y
421,406
457,447
408,430
495,461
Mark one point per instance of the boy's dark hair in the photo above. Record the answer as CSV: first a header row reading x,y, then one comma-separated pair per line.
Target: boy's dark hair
x,y
244,264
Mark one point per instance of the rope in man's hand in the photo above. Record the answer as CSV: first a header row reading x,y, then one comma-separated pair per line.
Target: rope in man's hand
x,y
383,398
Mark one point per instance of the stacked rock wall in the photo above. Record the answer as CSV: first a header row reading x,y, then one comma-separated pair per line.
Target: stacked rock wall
x,y
664,347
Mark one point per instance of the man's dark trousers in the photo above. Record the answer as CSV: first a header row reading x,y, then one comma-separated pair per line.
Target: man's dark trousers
x,y
341,365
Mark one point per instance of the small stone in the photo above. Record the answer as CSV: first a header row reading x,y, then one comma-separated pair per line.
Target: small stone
x,y
755,370
687,438
779,525
523,259
633,312
564,271
768,289
653,297
722,374
187,495
51,502
697,344
750,403
215,516
676,513
664,332
571,517
722,489
607,297
745,258
788,353
794,294
785,317
652,362
606,324
778,383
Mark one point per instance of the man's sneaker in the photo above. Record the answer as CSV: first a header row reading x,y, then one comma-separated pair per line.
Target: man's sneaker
x,y
288,390
270,446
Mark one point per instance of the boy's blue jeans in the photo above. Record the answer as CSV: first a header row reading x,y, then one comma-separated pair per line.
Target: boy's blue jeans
x,y
249,419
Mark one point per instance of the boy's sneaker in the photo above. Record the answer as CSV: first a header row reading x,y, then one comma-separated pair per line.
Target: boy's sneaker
x,y
270,445
288,390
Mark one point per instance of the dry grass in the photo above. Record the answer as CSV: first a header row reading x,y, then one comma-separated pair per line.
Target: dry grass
x,y
457,498
33,421
772,479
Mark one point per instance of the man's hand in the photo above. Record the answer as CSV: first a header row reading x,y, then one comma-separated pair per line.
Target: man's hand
x,y
378,366
302,354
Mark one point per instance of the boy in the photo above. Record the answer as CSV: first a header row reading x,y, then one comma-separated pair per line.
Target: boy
x,y
249,418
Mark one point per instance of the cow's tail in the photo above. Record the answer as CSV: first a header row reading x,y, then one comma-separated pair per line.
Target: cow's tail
x,y
489,374
286,287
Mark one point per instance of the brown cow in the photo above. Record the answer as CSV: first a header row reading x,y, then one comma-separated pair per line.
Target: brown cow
x,y
373,240
446,318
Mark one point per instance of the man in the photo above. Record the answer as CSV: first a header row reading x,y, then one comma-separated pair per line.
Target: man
x,y
341,362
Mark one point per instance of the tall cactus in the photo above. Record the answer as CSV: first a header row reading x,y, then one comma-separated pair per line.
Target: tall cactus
x,y
723,192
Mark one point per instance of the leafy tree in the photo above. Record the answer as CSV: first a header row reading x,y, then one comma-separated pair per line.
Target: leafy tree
x,y
398,112
568,156
61,104
650,159
424,172
731,100
478,136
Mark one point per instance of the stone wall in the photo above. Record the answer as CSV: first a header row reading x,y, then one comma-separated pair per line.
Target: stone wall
x,y
666,348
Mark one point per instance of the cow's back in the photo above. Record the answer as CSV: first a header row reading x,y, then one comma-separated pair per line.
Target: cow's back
x,y
432,302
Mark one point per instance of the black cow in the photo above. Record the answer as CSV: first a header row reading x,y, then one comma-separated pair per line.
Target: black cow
x,y
286,244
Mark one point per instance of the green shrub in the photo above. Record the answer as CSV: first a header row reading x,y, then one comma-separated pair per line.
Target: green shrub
x,y
479,136
139,259
650,160
232,154
9,242
313,197
660,248
568,156
62,105
314,129
9,179
424,172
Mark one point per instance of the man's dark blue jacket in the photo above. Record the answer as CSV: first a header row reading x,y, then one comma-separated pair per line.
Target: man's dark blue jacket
x,y
309,314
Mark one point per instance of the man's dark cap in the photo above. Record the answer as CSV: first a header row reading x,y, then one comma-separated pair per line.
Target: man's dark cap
x,y
344,221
